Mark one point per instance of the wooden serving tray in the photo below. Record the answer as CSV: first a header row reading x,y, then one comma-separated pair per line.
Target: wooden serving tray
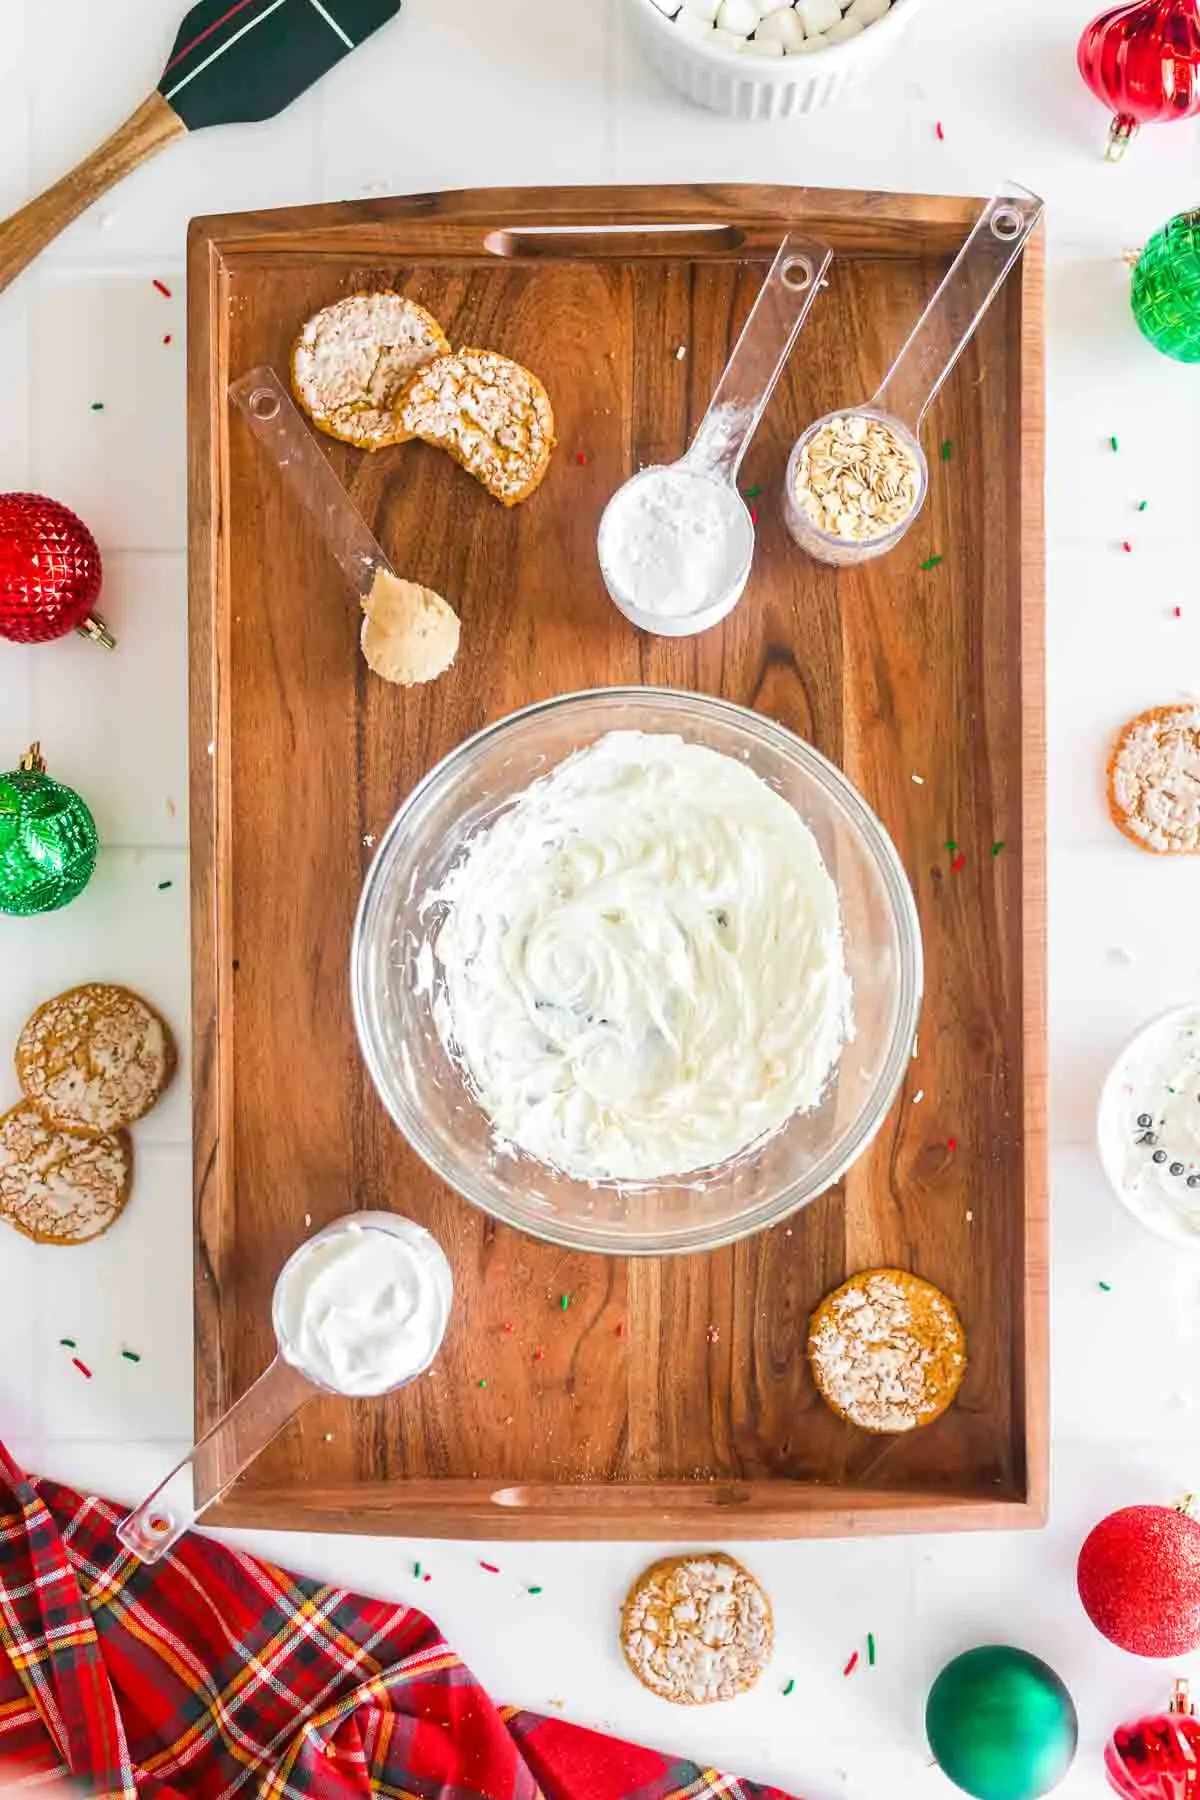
x,y
671,1399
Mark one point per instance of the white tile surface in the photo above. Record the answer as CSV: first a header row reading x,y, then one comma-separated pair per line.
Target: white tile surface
x,y
138,788
537,92
97,341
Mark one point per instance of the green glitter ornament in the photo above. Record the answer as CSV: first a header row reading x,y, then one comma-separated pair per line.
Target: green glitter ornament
x,y
48,840
1001,1724
1166,288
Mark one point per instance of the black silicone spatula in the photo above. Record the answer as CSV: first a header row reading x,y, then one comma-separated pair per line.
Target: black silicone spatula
x,y
233,60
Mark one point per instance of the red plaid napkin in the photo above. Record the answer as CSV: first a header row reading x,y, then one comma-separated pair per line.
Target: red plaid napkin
x,y
213,1674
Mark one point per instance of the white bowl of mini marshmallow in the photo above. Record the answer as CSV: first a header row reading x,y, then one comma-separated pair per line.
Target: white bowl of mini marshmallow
x,y
766,59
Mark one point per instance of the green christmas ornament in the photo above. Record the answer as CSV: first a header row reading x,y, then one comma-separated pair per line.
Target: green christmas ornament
x,y
48,840
1166,288
1001,1724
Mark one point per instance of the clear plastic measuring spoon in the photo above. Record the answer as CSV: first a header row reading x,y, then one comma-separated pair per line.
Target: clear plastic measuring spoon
x,y
269,410
687,517
911,385
408,633
286,1385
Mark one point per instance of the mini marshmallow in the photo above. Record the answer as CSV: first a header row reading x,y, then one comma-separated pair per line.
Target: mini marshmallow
x,y
692,25
740,16
699,9
761,46
817,16
782,28
867,12
845,28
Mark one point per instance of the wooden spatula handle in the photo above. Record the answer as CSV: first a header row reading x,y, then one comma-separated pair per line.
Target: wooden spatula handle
x,y
27,232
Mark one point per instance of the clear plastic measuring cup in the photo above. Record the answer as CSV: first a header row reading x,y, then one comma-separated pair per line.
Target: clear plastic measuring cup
x,y
702,485
287,1385
917,375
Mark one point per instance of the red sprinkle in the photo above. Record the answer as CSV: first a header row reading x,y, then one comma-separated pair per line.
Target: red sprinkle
x,y
508,1326
163,289
1127,545
754,515
82,1367
490,1567
959,863
538,1355
167,339
952,1145
1179,612
851,1665
427,1578
621,1329
941,135
580,458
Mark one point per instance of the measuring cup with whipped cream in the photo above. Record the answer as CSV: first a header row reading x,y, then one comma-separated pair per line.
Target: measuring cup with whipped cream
x,y
676,541
857,478
359,1310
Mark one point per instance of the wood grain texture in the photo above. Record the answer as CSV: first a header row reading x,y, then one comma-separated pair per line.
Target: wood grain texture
x,y
23,236
669,1429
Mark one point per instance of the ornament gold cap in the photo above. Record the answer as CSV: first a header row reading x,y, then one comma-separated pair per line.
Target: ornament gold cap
x,y
94,628
1120,135
33,762
1181,1697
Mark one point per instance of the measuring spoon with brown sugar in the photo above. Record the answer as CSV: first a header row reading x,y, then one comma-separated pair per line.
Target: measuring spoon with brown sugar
x,y
409,633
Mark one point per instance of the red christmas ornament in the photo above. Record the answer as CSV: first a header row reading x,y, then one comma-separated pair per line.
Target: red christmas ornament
x,y
1139,1579
1158,1758
49,573
1142,61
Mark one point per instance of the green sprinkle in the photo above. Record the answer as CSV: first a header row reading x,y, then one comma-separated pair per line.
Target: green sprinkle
x,y
1113,444
947,450
998,846
68,1343
871,1649
951,845
131,1356
1105,1287
416,1571
533,1590
753,493
787,1690
97,406
931,562
565,1301
1142,505
1172,1090
165,884
483,1383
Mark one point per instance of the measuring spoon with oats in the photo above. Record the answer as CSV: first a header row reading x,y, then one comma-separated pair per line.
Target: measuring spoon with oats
x,y
857,478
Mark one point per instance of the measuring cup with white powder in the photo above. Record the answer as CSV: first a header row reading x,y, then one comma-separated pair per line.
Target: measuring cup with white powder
x,y
359,1310
676,542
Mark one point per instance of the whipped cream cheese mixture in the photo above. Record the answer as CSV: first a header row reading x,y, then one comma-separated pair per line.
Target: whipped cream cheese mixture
x,y
641,962
364,1310
1150,1122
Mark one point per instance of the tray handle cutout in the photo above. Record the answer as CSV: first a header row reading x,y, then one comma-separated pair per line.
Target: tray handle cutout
x,y
593,242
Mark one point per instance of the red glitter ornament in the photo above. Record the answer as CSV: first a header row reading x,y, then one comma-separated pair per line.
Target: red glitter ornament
x,y
1158,1758
1142,60
1139,1579
50,573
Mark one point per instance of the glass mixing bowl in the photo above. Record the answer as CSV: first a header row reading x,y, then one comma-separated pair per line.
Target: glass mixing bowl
x,y
428,1097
